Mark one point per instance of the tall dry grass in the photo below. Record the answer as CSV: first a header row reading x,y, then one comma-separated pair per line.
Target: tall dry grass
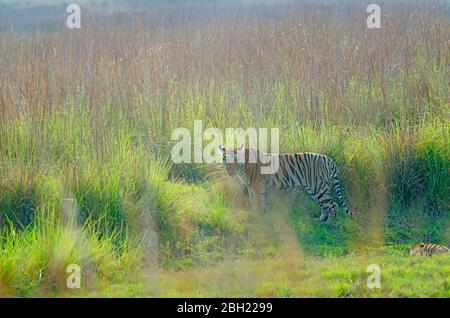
x,y
318,63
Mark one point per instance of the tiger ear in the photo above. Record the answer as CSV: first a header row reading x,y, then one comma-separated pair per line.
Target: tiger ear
x,y
220,149
240,150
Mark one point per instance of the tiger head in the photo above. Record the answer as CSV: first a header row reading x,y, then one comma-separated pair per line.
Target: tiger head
x,y
417,249
233,159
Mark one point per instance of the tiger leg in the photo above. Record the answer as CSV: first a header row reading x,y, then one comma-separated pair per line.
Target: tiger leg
x,y
252,197
327,205
323,216
323,212
332,212
262,192
259,191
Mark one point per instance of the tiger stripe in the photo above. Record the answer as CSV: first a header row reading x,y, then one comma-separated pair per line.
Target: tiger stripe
x,y
428,249
316,173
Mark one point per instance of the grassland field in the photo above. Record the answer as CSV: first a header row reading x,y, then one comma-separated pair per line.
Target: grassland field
x,y
86,177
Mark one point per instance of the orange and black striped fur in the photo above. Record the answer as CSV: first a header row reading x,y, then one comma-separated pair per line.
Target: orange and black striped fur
x,y
316,173
427,249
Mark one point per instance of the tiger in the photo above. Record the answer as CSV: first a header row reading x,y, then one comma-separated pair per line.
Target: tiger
x,y
428,249
312,171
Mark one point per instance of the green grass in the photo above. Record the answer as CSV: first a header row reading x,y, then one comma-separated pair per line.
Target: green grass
x,y
304,276
396,185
